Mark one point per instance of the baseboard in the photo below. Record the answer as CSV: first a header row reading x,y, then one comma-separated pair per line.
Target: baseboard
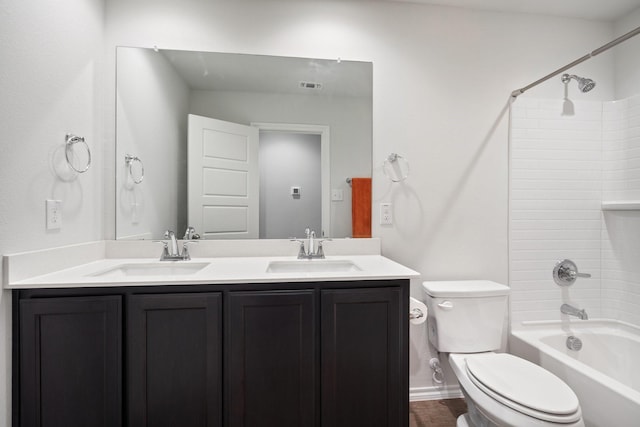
x,y
434,393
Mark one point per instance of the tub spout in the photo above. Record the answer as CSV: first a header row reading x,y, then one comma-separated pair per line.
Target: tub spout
x,y
572,311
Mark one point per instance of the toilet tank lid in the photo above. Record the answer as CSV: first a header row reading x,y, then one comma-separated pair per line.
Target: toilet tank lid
x,y
464,288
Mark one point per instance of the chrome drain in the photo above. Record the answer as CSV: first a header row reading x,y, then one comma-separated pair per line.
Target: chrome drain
x,y
574,343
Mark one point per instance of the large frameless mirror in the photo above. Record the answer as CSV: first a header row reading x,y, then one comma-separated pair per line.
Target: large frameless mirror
x,y
238,146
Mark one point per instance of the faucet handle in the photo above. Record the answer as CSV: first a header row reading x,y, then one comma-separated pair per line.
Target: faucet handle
x,y
185,249
566,272
320,250
190,234
165,249
301,251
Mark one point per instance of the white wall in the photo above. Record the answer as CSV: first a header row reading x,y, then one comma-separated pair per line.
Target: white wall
x,y
152,107
627,60
349,120
52,83
442,79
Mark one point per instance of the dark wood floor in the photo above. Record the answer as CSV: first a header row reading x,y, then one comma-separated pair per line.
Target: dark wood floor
x,y
436,413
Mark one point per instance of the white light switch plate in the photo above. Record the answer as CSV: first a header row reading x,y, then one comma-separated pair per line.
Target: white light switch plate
x,y
337,195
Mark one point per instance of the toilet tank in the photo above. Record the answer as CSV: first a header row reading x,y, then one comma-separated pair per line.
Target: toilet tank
x,y
465,316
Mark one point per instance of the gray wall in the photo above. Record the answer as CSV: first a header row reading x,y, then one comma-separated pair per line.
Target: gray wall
x,y
286,160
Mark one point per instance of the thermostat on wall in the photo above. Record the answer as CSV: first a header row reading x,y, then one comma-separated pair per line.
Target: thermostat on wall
x,y
295,192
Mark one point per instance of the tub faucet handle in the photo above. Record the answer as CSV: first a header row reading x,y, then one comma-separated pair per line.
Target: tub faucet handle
x,y
566,272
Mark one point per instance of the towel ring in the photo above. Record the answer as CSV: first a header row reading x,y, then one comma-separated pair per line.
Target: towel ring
x,y
396,167
71,140
130,160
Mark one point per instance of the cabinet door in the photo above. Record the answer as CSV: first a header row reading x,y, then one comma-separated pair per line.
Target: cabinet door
x,y
364,367
174,359
271,359
70,362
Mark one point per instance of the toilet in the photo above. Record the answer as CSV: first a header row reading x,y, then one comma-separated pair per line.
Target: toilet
x,y
465,319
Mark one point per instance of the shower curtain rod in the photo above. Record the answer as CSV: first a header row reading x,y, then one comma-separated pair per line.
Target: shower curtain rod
x,y
598,51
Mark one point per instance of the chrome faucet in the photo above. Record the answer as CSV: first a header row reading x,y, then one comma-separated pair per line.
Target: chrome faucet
x,y
173,249
311,250
311,235
190,234
171,252
572,311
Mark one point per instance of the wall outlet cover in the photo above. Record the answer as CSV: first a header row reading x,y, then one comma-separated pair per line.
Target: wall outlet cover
x,y
386,217
54,214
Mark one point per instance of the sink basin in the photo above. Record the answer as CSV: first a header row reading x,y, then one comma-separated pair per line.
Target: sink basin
x,y
153,269
312,266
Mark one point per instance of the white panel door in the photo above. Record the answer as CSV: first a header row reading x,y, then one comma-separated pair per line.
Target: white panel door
x,y
223,179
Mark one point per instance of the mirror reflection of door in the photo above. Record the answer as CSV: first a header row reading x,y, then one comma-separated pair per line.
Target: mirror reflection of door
x,y
222,179
290,184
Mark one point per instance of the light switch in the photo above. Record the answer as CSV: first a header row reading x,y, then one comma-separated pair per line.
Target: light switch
x,y
337,195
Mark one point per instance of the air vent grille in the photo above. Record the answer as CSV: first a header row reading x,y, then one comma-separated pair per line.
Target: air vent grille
x,y
311,85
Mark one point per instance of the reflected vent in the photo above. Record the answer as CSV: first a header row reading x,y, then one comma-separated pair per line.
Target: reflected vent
x,y
311,85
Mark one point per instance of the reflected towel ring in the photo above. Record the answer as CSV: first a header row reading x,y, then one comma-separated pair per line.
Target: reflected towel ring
x,y
130,160
396,167
71,140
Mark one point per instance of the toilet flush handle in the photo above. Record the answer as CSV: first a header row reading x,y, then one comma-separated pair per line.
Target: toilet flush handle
x,y
445,305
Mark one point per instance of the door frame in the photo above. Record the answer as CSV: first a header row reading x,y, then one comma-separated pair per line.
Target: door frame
x,y
325,161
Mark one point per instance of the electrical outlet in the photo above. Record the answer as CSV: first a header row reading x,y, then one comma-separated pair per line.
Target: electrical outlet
x,y
337,195
54,214
385,214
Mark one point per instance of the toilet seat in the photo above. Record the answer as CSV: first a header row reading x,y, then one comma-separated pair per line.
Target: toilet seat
x,y
523,386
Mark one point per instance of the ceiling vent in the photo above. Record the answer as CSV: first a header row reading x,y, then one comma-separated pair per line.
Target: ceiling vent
x,y
311,85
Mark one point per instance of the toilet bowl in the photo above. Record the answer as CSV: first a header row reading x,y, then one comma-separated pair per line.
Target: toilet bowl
x,y
465,319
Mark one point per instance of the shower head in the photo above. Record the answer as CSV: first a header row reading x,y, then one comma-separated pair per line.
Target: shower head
x,y
584,84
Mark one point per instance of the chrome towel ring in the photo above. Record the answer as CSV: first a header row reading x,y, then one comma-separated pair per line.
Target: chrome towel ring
x,y
71,141
395,167
130,160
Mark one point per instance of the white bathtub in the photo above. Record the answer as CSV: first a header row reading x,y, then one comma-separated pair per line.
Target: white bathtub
x,y
604,373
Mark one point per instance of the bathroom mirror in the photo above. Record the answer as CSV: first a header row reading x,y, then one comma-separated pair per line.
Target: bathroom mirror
x,y
303,110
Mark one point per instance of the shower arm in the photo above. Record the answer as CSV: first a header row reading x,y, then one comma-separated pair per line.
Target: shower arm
x,y
598,51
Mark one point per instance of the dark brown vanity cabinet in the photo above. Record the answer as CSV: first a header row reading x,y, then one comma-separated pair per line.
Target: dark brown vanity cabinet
x,y
69,372
257,355
364,357
272,361
174,360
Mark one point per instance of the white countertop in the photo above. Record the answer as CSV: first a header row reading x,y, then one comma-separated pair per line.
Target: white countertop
x,y
96,258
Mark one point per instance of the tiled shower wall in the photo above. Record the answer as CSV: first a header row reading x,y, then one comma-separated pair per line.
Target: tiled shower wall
x,y
621,228
562,168
556,185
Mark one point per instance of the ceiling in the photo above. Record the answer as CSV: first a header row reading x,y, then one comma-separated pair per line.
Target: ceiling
x,y
598,10
271,74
